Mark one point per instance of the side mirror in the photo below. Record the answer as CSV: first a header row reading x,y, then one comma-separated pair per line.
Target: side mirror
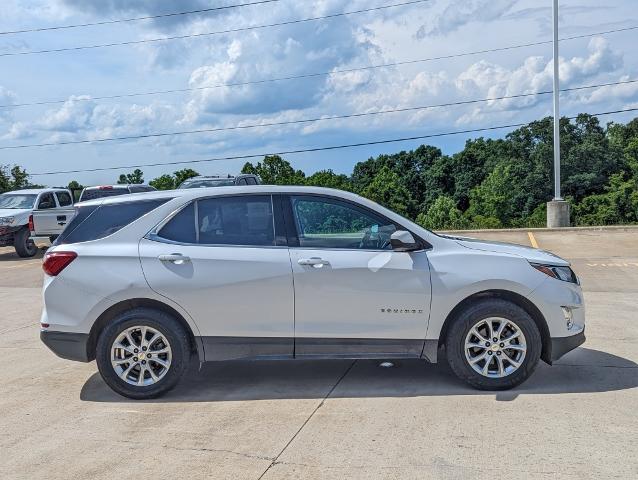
x,y
403,241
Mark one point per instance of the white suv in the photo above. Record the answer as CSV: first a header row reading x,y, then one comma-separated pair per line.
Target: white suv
x,y
142,283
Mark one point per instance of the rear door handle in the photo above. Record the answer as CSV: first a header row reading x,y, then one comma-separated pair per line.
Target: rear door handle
x,y
313,261
176,258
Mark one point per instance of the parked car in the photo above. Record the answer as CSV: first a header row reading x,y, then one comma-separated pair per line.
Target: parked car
x,y
262,272
218,181
16,209
91,193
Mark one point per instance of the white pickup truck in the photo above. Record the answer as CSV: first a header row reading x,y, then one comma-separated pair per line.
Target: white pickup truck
x,y
54,208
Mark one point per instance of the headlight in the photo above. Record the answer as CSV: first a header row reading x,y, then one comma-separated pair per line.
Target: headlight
x,y
7,220
565,274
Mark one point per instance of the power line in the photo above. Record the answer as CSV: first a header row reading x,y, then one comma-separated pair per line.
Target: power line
x,y
316,149
308,120
220,32
314,74
136,19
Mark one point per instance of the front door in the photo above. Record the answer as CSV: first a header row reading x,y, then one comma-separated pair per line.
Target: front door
x,y
354,296
219,260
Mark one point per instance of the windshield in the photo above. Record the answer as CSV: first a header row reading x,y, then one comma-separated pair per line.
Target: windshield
x,y
15,201
222,182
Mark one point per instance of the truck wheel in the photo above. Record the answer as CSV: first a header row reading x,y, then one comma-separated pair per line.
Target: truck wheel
x,y
142,353
24,245
493,345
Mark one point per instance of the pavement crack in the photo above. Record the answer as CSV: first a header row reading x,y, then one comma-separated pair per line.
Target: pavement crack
x,y
206,449
323,400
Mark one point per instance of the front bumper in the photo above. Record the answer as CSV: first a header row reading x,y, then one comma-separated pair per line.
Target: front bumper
x,y
67,345
562,345
7,235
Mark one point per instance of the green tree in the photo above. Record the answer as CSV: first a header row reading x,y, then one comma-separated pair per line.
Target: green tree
x,y
163,182
494,198
443,215
274,170
184,174
136,177
329,179
387,190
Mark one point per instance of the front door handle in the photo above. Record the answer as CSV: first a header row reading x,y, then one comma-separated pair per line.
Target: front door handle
x,y
316,262
176,258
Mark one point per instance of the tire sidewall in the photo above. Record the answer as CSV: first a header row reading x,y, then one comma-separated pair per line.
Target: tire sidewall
x,y
24,246
165,324
455,343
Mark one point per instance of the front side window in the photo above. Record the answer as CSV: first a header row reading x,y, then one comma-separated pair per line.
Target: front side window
x,y
328,223
46,201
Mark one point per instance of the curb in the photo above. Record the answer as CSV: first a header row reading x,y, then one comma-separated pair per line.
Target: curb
x,y
620,228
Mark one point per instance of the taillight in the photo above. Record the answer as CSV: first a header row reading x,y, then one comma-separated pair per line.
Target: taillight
x,y
55,262
31,227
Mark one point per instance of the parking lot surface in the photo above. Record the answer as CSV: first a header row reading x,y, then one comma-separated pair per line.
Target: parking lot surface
x,y
334,419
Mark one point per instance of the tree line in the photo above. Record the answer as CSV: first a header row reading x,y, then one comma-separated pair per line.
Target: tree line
x,y
491,183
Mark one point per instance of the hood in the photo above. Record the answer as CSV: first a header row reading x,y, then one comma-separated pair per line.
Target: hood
x,y
21,216
531,254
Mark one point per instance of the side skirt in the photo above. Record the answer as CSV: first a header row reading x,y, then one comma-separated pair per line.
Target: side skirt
x,y
282,348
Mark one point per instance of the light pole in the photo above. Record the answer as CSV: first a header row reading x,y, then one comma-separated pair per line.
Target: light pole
x,y
557,209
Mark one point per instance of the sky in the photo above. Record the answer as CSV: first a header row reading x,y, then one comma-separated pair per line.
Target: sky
x,y
204,65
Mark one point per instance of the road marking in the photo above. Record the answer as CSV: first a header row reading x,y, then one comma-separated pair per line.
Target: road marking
x,y
532,239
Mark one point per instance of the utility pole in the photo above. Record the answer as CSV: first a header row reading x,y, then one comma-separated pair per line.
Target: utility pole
x,y
557,209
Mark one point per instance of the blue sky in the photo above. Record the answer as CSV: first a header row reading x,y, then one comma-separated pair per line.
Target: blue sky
x,y
428,29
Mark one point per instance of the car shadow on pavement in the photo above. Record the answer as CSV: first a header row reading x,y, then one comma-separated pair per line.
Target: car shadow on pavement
x,y
581,371
11,255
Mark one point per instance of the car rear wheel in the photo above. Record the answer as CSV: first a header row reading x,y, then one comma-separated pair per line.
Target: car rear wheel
x,y
493,345
143,353
24,245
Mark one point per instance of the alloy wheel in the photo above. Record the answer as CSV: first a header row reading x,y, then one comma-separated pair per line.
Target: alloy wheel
x,y
495,347
141,356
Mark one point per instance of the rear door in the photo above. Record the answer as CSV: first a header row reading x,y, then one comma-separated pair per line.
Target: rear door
x,y
224,259
47,218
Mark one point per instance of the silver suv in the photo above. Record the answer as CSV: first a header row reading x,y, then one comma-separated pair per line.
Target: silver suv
x,y
143,283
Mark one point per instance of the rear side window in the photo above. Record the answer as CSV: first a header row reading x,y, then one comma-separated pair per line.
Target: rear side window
x,y
105,220
64,199
245,220
242,220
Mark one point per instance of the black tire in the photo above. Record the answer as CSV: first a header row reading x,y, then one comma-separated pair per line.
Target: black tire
x,y
164,323
24,245
472,316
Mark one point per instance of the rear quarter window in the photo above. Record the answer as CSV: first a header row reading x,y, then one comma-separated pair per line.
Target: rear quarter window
x,y
95,222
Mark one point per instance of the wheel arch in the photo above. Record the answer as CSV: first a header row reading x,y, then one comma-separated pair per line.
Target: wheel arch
x,y
103,320
513,297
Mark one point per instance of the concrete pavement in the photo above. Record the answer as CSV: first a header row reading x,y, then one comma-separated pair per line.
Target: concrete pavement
x,y
334,419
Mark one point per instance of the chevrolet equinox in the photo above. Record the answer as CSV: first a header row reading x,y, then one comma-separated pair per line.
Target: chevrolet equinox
x,y
141,283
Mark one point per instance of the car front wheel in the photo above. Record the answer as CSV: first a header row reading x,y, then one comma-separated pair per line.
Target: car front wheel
x,y
493,345
24,244
143,353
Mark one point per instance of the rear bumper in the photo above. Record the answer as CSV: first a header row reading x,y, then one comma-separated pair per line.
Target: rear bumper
x,y
67,345
562,345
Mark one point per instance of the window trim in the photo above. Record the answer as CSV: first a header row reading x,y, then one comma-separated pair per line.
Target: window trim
x,y
154,233
293,234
